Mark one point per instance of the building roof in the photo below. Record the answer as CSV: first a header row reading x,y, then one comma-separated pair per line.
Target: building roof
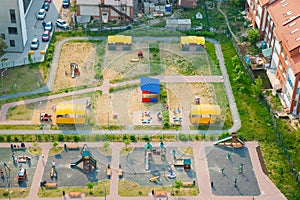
x,y
286,16
179,21
192,40
88,2
264,2
77,109
150,84
112,39
205,109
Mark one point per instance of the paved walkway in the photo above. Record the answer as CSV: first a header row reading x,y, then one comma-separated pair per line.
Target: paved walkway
x,y
267,188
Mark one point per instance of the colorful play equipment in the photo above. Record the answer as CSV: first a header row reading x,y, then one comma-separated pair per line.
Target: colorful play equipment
x,y
87,159
231,141
150,151
74,70
162,151
44,117
23,159
150,89
155,179
140,54
171,174
185,163
53,173
22,174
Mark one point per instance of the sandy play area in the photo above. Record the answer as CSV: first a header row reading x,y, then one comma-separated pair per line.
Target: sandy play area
x,y
126,105
117,64
82,53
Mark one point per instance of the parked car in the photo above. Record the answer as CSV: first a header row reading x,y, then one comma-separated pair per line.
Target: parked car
x,y
41,14
49,1
34,44
46,6
65,3
62,24
48,26
46,36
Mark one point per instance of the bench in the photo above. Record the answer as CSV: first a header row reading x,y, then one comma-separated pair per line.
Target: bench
x,y
73,147
160,194
51,185
75,194
108,172
187,184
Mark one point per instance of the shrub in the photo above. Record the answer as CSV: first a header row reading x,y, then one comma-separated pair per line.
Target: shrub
x,y
2,139
146,138
132,138
76,138
8,138
177,184
60,137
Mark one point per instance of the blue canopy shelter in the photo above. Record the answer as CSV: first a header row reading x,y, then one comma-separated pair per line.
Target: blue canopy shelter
x,y
150,89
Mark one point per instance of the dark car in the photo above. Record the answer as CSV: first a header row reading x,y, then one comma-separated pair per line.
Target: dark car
x,y
46,6
49,1
46,36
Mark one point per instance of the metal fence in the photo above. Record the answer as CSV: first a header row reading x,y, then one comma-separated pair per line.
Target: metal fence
x,y
21,61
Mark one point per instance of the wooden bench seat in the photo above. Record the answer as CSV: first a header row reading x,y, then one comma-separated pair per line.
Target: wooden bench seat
x,y
160,194
108,172
73,146
75,194
51,185
187,184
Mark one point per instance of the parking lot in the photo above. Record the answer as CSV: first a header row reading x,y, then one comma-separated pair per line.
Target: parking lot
x,y
35,30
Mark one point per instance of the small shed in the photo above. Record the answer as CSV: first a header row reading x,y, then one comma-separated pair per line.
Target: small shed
x,y
119,43
150,89
204,113
70,114
178,24
192,43
188,3
187,164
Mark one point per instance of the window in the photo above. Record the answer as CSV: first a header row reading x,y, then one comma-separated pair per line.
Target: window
x,y
12,16
282,51
12,43
12,30
286,58
290,82
280,64
3,36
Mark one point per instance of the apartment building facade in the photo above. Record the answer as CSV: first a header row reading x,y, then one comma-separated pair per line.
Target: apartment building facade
x,y
13,25
278,22
106,10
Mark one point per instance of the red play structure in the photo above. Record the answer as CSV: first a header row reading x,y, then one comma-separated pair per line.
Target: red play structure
x,y
74,70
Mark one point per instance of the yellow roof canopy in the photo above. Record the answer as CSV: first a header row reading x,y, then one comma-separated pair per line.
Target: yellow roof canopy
x,y
119,39
205,109
192,40
77,109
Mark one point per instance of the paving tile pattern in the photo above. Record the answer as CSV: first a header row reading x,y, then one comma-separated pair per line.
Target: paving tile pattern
x,y
224,184
67,176
6,156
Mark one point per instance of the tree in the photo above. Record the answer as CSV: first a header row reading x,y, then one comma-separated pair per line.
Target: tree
x,y
127,142
55,143
3,46
257,87
105,145
253,35
90,186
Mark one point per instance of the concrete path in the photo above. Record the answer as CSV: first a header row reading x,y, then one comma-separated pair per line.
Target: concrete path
x,y
267,188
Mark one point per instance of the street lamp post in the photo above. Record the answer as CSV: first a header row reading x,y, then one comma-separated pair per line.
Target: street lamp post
x,y
2,75
105,190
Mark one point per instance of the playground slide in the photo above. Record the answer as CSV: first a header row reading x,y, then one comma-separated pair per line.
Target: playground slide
x,y
147,162
93,161
76,163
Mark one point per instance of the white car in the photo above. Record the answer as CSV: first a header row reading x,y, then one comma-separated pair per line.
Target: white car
x,y
62,24
41,14
34,44
48,26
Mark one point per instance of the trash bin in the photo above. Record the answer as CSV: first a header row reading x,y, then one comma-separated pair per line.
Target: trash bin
x,y
152,192
63,192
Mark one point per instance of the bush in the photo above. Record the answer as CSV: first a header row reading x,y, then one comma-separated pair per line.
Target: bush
x,y
183,137
8,138
132,138
76,138
178,184
146,138
223,135
2,139
60,137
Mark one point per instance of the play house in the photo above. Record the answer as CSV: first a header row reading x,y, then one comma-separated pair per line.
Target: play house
x,y
187,164
119,43
192,43
150,89
204,113
70,114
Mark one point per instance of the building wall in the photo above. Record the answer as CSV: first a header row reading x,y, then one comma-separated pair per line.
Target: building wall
x,y
14,40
